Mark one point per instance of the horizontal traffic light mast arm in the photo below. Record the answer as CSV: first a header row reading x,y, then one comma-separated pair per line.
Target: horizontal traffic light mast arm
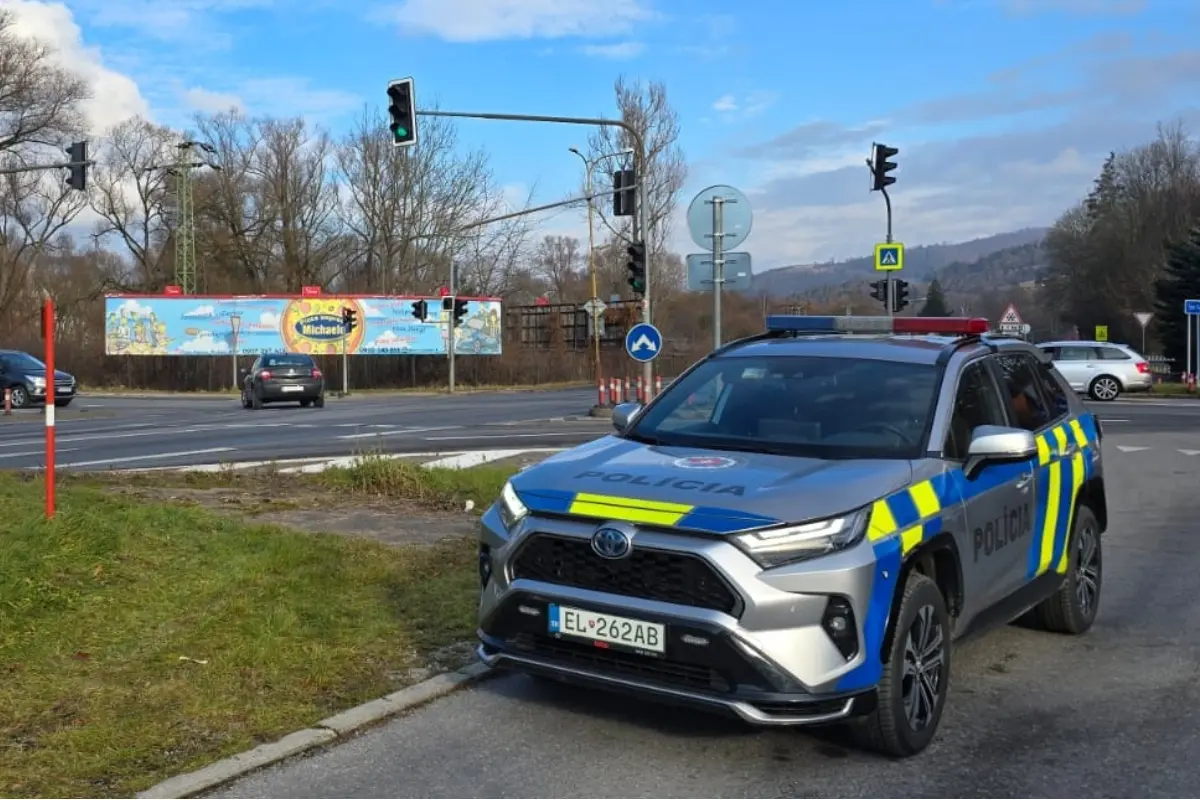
x,y
539,209
39,167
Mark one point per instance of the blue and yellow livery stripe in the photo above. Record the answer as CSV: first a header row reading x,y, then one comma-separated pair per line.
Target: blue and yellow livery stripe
x,y
1064,464
616,508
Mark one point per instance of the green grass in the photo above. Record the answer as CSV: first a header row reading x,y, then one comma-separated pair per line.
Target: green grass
x,y
433,487
107,611
1172,390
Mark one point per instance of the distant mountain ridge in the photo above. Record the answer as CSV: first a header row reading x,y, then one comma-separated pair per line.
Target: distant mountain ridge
x,y
921,263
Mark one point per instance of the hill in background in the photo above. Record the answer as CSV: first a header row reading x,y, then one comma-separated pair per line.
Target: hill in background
x,y
1006,259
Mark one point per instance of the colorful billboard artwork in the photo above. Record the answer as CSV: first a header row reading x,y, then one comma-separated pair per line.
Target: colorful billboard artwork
x,y
202,325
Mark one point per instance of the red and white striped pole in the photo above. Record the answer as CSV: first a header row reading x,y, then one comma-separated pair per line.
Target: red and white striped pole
x,y
601,395
641,394
51,395
657,385
628,395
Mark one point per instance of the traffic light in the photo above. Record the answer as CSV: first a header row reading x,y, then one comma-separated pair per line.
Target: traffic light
x,y
78,153
880,166
624,193
900,298
879,290
402,109
460,311
637,267
349,319
420,310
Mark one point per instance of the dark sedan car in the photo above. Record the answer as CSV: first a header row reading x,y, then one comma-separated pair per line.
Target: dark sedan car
x,y
25,377
283,378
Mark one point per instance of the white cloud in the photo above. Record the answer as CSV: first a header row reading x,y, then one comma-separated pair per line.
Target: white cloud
x,y
617,52
268,319
491,20
725,103
116,97
134,308
754,103
200,312
212,102
205,344
370,311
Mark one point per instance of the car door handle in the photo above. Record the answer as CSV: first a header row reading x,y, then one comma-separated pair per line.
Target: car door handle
x,y
1070,449
1022,483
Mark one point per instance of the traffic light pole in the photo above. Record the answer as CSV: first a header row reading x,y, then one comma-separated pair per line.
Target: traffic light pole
x,y
641,220
450,321
43,167
891,284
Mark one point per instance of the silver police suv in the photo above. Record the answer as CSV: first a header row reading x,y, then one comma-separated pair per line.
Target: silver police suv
x,y
800,525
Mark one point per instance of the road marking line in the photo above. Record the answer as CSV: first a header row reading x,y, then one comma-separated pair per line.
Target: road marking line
x,y
1190,452
149,457
378,434
41,452
1130,449
501,436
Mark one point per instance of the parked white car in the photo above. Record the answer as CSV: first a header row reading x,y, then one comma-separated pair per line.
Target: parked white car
x,y
1101,370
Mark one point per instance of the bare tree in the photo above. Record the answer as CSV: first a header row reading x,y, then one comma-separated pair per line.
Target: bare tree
x,y
490,258
404,208
130,191
651,114
39,100
557,262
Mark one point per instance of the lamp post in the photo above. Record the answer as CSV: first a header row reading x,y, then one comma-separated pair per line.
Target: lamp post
x,y
588,167
235,324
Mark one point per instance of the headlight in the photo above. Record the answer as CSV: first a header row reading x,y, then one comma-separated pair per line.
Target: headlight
x,y
37,381
511,509
777,546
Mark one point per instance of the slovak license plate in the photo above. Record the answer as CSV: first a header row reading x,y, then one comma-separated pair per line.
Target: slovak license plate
x,y
293,388
606,629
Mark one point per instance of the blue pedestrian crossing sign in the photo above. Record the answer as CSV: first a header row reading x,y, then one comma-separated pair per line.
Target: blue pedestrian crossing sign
x,y
889,257
643,342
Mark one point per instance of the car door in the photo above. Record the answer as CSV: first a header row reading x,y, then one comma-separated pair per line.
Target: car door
x,y
994,497
1077,363
1031,408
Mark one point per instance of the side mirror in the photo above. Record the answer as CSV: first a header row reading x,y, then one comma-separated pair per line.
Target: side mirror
x,y
243,372
623,415
998,444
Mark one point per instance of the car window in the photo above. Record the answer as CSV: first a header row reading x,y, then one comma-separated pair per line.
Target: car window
x,y
16,362
1076,353
1021,384
977,402
1114,354
287,360
821,407
1053,391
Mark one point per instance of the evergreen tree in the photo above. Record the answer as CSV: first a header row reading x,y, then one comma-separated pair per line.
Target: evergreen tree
x,y
1180,281
935,302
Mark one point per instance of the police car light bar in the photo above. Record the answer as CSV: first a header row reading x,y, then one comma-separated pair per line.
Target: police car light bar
x,y
953,326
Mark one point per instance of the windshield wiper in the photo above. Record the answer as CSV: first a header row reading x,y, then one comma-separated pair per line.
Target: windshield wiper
x,y
637,437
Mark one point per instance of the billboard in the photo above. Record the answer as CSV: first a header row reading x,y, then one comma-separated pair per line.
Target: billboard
x,y
211,325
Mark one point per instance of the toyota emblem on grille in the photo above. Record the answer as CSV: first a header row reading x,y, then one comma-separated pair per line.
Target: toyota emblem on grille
x,y
611,543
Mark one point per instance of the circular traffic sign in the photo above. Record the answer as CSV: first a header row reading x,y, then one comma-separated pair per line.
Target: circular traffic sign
x,y
737,217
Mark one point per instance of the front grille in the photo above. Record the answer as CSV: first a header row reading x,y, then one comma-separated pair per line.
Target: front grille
x,y
650,574
673,673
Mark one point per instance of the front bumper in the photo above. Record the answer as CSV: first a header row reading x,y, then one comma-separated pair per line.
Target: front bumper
x,y
64,390
740,640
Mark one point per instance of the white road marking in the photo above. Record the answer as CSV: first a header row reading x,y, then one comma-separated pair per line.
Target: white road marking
x,y
401,432
149,457
472,459
1124,448
1190,452
41,452
501,436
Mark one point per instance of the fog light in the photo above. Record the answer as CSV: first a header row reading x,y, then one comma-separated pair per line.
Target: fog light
x,y
485,565
839,626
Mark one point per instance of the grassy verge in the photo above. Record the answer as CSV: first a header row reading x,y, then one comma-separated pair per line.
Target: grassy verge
x,y
139,640
1171,390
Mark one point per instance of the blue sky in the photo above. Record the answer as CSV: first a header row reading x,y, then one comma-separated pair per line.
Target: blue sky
x,y
1002,109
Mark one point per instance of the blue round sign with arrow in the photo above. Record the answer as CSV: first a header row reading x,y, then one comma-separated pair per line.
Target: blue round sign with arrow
x,y
643,342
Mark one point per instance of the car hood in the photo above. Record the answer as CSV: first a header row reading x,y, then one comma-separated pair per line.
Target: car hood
x,y
59,375
717,491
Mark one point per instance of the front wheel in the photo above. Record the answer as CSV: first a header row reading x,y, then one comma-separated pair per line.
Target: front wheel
x,y
63,403
1106,387
1072,609
19,397
916,674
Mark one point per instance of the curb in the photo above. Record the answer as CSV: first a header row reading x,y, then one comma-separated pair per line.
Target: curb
x,y
602,412
328,730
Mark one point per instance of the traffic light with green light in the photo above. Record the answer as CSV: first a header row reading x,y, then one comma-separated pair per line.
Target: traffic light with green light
x,y
637,267
402,108
880,166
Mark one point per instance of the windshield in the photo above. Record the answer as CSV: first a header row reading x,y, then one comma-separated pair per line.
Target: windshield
x,y
287,360
819,407
20,361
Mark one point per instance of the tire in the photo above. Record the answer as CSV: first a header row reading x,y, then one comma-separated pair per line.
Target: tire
x,y
245,398
255,401
1072,609
63,403
1104,388
889,729
320,401
19,397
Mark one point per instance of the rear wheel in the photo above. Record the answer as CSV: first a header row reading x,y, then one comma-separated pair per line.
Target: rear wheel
x,y
63,403
1072,609
1105,387
245,398
255,401
916,674
306,402
320,401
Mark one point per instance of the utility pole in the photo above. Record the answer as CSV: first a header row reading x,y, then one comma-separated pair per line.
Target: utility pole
x,y
880,180
185,219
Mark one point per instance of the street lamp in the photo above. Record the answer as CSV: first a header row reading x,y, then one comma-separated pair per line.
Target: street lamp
x,y
589,167
235,324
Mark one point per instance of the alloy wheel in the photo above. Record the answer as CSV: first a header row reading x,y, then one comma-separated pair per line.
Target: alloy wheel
x,y
924,660
1106,389
1087,571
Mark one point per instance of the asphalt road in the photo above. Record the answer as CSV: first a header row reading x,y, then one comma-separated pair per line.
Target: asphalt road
x,y
1115,713
126,433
